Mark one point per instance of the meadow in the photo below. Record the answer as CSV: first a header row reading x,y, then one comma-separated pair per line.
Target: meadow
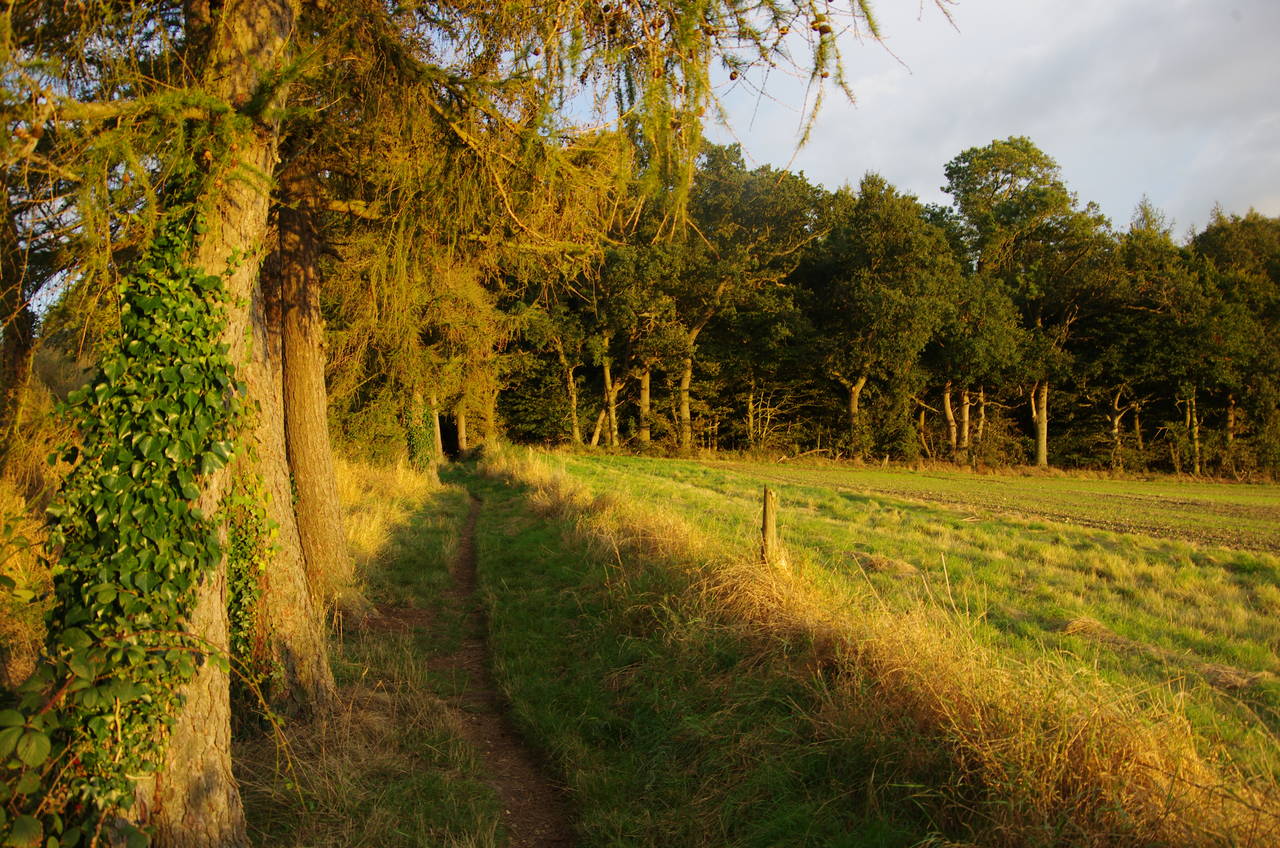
x,y
1181,621
955,672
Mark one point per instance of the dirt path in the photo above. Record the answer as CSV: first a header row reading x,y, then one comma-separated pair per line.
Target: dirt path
x,y
534,809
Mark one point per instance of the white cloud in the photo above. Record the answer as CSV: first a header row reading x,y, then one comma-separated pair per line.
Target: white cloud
x,y
1174,99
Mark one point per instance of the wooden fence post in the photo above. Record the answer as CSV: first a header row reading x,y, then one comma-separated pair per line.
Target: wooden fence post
x,y
770,550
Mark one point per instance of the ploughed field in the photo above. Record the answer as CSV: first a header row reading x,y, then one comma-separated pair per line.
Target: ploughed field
x,y
1169,589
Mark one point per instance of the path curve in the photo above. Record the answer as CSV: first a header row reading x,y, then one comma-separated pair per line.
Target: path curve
x,y
535,812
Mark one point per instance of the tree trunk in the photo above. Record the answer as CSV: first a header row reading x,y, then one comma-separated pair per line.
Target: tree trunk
x,y
193,800
951,418
330,567
686,419
611,401
17,347
437,434
966,402
1040,417
571,389
1117,445
1193,419
646,408
751,416
1230,458
460,419
595,434
924,439
855,388
289,610
982,413
1231,420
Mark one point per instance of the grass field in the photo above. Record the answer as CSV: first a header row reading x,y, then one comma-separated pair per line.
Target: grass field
x,y
1191,625
980,673
1235,515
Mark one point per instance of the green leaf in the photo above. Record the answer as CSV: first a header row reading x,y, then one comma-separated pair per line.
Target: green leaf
x,y
33,748
25,833
81,666
75,638
28,784
8,741
11,718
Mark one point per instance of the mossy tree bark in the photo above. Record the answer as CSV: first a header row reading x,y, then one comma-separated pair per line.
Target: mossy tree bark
x,y
193,801
17,347
329,565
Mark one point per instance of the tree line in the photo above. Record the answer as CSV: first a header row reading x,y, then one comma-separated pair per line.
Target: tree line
x,y
1013,326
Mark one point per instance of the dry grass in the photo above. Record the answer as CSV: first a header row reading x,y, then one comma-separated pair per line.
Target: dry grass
x,y
22,610
376,501
1014,753
388,768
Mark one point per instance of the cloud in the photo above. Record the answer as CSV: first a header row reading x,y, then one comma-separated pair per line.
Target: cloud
x,y
1174,100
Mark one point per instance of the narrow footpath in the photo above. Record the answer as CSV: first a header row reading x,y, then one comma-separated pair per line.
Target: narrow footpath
x,y
535,812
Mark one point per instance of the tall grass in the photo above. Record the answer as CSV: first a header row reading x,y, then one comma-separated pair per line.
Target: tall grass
x,y
1000,750
1193,627
389,767
22,606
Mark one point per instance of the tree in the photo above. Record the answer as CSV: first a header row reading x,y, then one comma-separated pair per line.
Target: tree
x,y
880,285
1243,256
747,229
1031,240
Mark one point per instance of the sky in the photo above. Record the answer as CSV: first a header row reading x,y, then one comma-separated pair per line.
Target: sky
x,y
1178,100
